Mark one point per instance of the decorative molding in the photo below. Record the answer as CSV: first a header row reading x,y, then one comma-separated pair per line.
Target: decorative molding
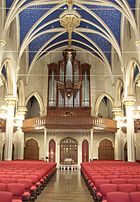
x,y
17,68
11,100
70,19
122,69
2,43
117,112
137,43
22,110
129,101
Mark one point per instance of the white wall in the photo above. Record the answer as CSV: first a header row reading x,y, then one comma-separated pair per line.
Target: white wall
x,y
79,137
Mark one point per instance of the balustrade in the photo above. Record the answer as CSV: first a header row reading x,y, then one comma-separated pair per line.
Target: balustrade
x,y
75,122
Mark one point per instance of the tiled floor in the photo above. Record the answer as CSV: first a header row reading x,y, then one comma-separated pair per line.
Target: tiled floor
x,y
66,186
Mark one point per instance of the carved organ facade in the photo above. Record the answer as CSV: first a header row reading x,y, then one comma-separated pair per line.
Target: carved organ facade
x,y
69,83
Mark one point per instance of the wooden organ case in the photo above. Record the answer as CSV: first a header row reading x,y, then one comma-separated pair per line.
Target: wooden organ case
x,y
69,87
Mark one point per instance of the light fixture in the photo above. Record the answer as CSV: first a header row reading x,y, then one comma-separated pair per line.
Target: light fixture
x,y
70,19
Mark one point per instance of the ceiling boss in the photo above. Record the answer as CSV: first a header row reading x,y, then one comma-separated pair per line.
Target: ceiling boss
x,y
70,19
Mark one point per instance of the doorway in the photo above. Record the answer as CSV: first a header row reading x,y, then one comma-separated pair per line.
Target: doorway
x,y
106,150
85,151
52,151
68,150
31,150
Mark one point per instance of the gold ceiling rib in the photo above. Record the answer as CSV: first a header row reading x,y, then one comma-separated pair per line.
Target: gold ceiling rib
x,y
70,19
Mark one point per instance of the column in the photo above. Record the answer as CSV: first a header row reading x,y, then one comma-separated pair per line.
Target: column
x,y
11,101
45,143
57,153
118,144
129,102
91,144
20,144
79,154
21,116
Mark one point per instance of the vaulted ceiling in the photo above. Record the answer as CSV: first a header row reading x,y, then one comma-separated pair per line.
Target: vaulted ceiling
x,y
41,31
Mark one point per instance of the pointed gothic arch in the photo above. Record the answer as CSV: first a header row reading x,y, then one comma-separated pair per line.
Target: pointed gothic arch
x,y
10,77
118,94
105,150
129,81
85,151
68,150
99,101
39,99
31,149
52,150
21,92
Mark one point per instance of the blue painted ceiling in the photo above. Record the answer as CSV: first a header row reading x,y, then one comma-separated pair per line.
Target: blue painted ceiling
x,y
29,16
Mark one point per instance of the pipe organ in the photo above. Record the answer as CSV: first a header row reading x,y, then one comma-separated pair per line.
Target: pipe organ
x,y
69,83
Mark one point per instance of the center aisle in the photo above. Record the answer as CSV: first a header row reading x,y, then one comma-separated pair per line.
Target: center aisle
x,y
66,186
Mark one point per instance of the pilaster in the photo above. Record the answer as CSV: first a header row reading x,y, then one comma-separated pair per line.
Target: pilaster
x,y
118,143
11,102
129,102
45,143
91,144
21,116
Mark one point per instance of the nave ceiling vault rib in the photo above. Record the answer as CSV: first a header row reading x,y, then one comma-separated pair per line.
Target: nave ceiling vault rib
x,y
92,8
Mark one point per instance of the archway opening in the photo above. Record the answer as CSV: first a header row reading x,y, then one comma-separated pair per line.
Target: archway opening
x,y
105,108
68,151
52,151
106,150
31,150
85,151
32,108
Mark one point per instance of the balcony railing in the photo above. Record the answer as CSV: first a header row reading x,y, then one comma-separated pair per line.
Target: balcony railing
x,y
70,122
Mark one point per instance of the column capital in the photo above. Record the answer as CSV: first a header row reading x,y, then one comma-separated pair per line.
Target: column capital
x,y
129,101
117,111
91,130
22,110
11,100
